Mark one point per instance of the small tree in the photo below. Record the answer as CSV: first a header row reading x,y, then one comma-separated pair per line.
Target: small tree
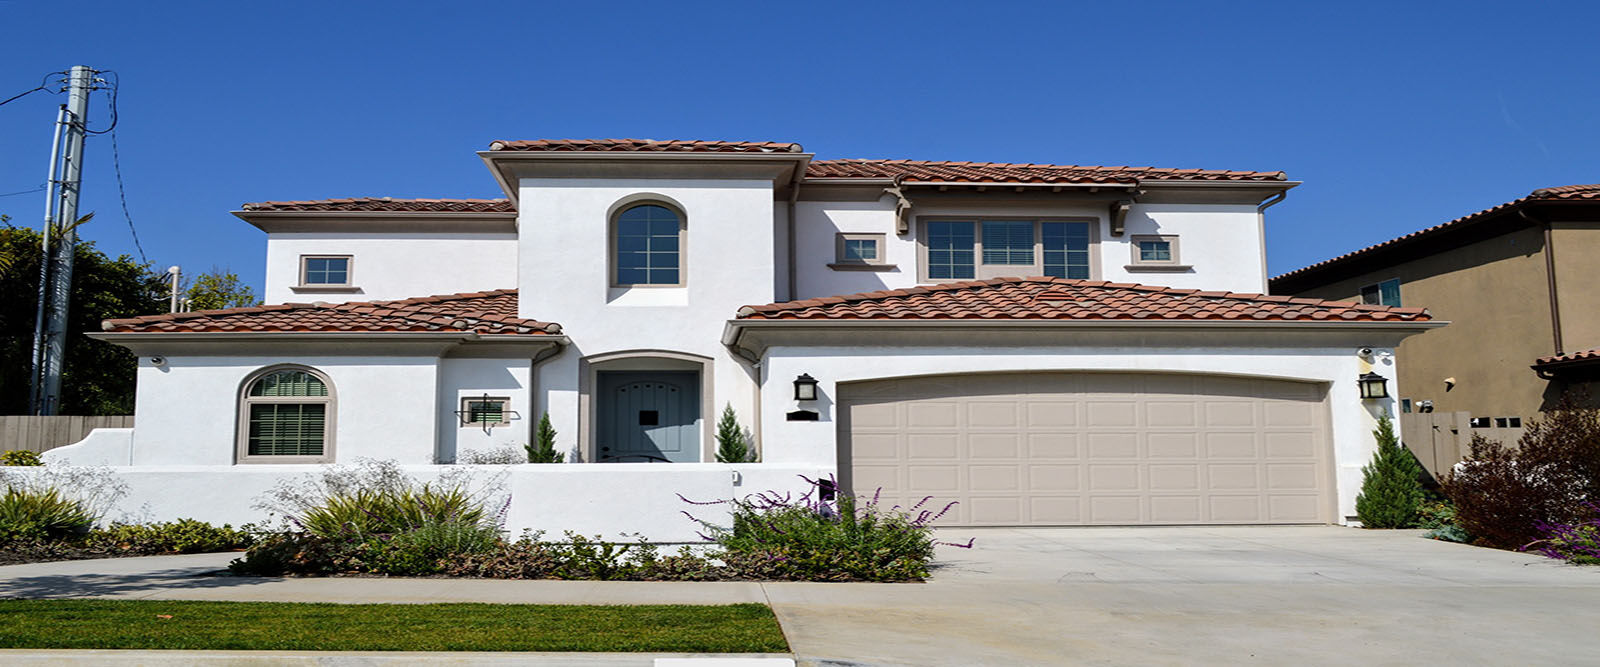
x,y
1391,488
219,288
543,449
733,446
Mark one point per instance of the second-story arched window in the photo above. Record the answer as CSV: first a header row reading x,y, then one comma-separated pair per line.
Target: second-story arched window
x,y
648,246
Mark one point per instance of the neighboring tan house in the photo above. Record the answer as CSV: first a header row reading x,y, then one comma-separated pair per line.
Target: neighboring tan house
x,y
1517,283
970,331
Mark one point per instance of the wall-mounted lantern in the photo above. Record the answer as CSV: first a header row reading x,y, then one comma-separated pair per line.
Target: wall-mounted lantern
x,y
1373,385
805,388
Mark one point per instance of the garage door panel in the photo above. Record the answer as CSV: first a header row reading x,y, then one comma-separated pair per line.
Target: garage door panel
x,y
1093,448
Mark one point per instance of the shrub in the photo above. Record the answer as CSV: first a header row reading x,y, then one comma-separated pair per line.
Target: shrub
x,y
1439,518
298,554
1577,543
184,536
40,514
1391,487
377,497
20,457
543,449
733,446
838,539
1502,495
499,456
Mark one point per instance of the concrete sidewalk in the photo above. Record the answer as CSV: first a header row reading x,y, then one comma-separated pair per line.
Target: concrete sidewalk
x,y
1310,595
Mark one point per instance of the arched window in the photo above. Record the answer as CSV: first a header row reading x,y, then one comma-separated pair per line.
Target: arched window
x,y
286,416
648,245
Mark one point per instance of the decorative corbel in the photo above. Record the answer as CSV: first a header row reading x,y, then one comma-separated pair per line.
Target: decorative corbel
x,y
902,208
1119,215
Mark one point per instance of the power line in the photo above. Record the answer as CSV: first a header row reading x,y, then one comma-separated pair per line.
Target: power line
x,y
116,164
116,82
43,85
24,192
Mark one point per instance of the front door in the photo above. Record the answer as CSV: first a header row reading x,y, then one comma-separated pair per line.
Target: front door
x,y
649,416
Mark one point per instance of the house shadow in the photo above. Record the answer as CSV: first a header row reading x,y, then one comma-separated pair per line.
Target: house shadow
x,y
63,586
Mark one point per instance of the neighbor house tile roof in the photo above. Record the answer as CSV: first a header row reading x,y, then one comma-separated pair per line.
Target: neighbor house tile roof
x,y
646,146
1043,298
1584,357
1001,172
387,204
475,312
1560,193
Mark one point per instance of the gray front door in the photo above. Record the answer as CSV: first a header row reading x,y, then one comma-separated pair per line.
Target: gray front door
x,y
649,416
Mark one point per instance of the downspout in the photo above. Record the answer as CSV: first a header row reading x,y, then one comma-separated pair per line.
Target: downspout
x,y
1550,277
794,195
1261,231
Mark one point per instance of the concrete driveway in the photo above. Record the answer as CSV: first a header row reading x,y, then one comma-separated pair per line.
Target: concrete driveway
x,y
1218,595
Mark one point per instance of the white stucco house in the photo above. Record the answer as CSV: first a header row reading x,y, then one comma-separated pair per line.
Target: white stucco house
x,y
1046,345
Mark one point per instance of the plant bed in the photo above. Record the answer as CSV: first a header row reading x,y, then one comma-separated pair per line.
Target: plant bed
x,y
373,520
184,536
278,626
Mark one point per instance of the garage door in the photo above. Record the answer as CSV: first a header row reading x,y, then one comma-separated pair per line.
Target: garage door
x,y
1087,448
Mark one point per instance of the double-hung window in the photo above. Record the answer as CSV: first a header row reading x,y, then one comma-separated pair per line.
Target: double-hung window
x,y
1386,293
982,249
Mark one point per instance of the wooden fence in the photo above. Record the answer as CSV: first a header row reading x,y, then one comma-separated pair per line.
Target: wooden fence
x,y
38,434
1441,439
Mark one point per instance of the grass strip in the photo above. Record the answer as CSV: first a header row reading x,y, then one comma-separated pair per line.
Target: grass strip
x,y
286,626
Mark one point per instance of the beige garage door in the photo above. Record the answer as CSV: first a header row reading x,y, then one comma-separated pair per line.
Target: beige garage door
x,y
1087,448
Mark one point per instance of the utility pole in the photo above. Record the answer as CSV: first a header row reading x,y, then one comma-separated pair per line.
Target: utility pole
x,y
61,211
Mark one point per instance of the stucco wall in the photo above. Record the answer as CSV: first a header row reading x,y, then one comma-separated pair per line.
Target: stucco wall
x,y
1494,294
474,378
1352,419
1577,245
565,277
188,409
394,265
1221,242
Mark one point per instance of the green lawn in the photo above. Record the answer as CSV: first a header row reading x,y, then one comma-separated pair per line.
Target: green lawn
x,y
142,624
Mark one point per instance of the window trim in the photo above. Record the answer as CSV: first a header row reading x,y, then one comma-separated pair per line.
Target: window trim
x,y
999,270
349,274
241,428
1137,263
1379,286
683,244
466,412
841,263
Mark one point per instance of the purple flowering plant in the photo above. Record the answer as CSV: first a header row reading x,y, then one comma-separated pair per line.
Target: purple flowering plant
x,y
1577,543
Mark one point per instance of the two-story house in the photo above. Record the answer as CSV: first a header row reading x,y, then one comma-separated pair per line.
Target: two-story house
x,y
1515,280
977,332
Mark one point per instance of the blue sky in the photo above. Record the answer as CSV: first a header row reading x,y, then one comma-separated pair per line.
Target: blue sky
x,y
1397,116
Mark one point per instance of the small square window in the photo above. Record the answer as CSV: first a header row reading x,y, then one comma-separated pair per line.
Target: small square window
x,y
1155,250
649,417
858,249
1386,293
1405,405
1508,422
1479,422
324,271
485,411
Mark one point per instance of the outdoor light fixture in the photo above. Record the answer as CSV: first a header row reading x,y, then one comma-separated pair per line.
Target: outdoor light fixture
x,y
1373,385
805,388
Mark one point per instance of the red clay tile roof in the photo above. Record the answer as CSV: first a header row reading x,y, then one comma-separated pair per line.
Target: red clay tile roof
x,y
1000,172
475,312
388,204
1561,193
1043,298
646,146
1568,358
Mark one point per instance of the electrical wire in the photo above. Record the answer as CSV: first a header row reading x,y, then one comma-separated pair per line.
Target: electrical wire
x,y
111,98
116,164
43,85
24,192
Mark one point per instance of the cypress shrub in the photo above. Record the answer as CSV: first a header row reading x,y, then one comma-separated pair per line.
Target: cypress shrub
x,y
732,445
543,449
1391,488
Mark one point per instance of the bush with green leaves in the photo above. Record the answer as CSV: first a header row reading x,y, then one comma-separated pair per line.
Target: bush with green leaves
x,y
20,457
1391,485
1438,517
184,536
42,514
733,443
1503,495
543,449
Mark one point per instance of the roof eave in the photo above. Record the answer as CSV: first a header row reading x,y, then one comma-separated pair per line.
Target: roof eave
x,y
499,162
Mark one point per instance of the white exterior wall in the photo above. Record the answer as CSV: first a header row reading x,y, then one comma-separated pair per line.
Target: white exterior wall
x,y
566,277
394,265
474,378
1222,242
188,410
1352,419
